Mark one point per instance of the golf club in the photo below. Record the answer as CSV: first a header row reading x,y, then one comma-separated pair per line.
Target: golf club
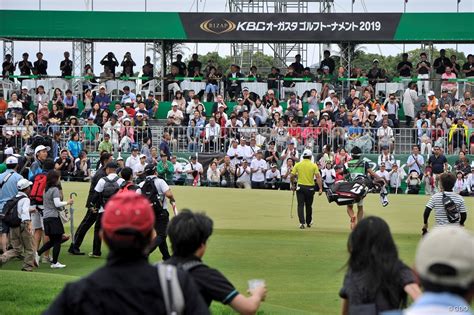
x,y
71,213
292,203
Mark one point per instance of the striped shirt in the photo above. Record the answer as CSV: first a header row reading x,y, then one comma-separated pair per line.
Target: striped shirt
x,y
436,203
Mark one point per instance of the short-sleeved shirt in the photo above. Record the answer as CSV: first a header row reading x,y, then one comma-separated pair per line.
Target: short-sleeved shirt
x,y
161,186
356,284
470,67
212,284
423,70
50,210
9,189
436,203
437,163
404,72
305,171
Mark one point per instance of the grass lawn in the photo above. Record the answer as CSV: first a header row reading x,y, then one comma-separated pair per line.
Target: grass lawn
x,y
254,238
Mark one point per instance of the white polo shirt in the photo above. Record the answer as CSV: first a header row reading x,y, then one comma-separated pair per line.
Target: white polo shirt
x,y
132,161
259,167
161,186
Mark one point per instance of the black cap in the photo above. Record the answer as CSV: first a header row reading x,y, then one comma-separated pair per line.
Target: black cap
x,y
112,165
150,169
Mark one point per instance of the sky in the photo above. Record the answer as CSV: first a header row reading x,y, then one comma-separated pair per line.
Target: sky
x,y
53,50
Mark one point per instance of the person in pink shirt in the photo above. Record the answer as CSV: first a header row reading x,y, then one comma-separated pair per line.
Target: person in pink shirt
x,y
451,86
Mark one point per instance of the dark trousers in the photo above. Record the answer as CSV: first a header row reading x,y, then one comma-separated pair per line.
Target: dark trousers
x,y
55,243
258,185
97,242
305,196
161,223
89,219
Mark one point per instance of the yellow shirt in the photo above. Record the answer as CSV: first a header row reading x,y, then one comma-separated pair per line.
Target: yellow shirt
x,y
305,170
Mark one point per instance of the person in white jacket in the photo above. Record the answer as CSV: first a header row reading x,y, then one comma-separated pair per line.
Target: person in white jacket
x,y
259,113
409,98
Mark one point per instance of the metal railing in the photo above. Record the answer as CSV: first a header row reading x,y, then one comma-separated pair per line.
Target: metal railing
x,y
207,139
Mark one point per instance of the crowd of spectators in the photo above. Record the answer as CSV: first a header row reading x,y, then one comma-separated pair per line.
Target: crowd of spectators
x,y
361,119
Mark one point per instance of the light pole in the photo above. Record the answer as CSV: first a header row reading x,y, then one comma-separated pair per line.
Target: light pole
x,y
404,11
457,11
352,6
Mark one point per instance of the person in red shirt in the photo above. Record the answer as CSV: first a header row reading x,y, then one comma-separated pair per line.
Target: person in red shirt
x,y
3,106
130,110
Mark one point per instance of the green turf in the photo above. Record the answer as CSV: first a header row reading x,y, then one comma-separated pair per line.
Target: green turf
x,y
254,238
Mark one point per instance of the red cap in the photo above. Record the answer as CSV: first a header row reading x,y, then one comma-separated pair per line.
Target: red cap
x,y
128,210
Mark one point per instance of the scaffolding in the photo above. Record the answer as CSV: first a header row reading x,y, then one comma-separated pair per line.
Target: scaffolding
x,y
283,53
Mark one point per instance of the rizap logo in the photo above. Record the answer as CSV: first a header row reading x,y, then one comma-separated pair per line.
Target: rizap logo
x,y
218,26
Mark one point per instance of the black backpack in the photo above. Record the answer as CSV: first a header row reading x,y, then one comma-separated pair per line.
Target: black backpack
x,y
111,187
151,193
10,212
452,212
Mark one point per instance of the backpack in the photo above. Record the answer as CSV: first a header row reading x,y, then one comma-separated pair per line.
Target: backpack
x,y
127,186
10,212
452,212
5,179
38,188
151,193
111,187
171,289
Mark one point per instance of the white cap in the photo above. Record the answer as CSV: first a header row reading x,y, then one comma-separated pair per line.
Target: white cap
x,y
142,156
11,160
332,92
310,110
307,153
430,93
41,148
455,253
139,114
24,87
8,151
23,184
221,105
126,119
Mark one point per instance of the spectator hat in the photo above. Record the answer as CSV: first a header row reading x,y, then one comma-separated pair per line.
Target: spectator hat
x,y
463,105
382,164
23,184
245,89
375,60
332,92
126,119
150,169
8,151
142,156
325,68
135,149
461,118
41,148
430,93
193,157
120,158
90,118
127,212
307,153
384,147
355,118
24,87
444,90
174,104
102,87
240,99
450,264
311,111
325,114
72,117
422,113
442,111
112,165
139,114
220,106
11,160
290,142
273,165
161,154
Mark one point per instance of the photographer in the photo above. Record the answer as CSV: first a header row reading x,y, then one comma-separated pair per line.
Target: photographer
x,y
127,65
243,175
64,164
109,62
